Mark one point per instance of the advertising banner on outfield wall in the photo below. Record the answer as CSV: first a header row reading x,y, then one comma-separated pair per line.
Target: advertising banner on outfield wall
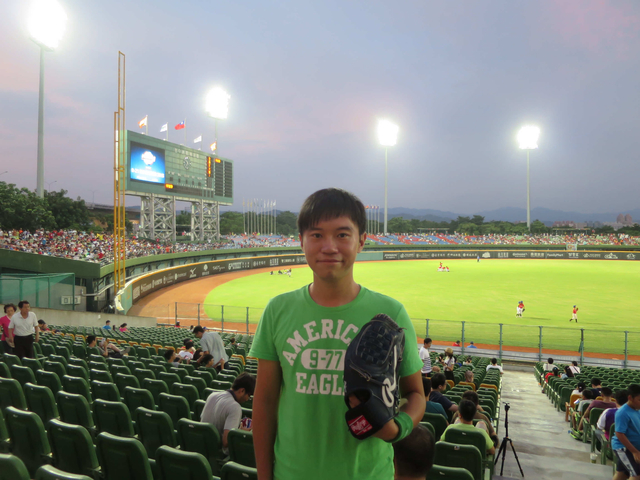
x,y
164,278
512,254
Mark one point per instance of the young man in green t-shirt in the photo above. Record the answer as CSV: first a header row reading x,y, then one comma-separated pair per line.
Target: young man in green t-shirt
x,y
299,427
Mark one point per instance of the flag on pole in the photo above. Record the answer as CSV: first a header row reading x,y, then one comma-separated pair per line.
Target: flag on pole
x,y
214,146
164,127
198,140
179,126
143,122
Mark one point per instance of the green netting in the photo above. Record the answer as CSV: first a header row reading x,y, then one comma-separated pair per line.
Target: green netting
x,y
41,291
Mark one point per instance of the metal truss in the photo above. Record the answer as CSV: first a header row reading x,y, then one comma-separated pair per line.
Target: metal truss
x,y
158,218
205,221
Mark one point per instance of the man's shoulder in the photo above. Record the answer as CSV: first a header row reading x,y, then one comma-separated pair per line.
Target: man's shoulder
x,y
386,300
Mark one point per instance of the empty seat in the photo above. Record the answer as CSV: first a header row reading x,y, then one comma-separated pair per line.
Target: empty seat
x,y
79,350
11,394
113,417
172,463
60,359
202,438
49,379
28,439
122,458
74,408
197,382
169,378
439,472
235,471
138,397
48,472
97,366
453,455
12,468
105,391
77,385
206,376
181,372
189,392
40,400
154,430
157,369
22,374
10,359
100,375
32,363
56,367
197,409
4,370
176,406
143,373
72,448
156,387
123,381
221,385
77,371
241,447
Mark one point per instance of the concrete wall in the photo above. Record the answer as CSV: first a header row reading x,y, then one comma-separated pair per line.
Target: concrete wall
x,y
90,319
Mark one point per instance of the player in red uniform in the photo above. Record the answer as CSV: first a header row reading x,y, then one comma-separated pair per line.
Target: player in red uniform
x,y
574,316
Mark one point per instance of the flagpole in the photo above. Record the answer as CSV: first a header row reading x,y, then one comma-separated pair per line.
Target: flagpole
x,y
216,124
185,132
166,133
146,126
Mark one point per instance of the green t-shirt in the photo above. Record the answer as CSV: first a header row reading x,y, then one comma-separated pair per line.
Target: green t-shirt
x,y
471,428
310,341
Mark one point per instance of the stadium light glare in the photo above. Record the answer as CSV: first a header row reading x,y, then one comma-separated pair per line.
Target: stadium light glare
x,y
46,24
528,137
217,103
387,133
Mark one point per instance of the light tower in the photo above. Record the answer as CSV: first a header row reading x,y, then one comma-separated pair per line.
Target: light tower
x,y
387,136
528,140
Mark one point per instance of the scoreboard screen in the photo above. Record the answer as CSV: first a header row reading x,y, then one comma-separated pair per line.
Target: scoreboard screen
x,y
155,166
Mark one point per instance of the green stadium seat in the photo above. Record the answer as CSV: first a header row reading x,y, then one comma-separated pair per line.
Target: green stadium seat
x,y
176,406
11,359
181,372
234,471
77,371
453,455
476,439
154,430
206,376
188,367
41,401
98,366
11,394
173,463
28,439
439,472
134,365
156,387
201,438
5,372
105,391
55,367
75,409
197,382
48,349
33,363
22,374
60,359
221,385
241,447
49,379
80,350
63,351
119,369
169,378
113,417
5,444
123,381
142,373
96,357
138,397
12,468
438,422
122,458
190,392
77,385
157,369
72,448
100,375
48,472
197,409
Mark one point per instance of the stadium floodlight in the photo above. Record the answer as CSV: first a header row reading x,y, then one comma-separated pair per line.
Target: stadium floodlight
x,y
528,140
387,136
46,24
217,103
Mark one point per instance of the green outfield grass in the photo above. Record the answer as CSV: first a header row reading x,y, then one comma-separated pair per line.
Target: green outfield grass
x,y
484,295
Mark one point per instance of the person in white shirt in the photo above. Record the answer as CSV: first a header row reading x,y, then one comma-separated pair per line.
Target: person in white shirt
x,y
549,366
575,369
494,365
187,354
23,324
426,359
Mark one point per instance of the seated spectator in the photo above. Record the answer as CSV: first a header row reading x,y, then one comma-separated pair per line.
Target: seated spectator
x,y
222,409
549,366
467,414
171,357
438,387
197,355
457,343
468,376
494,364
468,361
608,417
554,373
596,387
107,325
579,388
606,403
580,407
108,349
435,369
575,369
123,327
187,354
432,407
567,373
42,325
471,345
206,360
413,455
473,397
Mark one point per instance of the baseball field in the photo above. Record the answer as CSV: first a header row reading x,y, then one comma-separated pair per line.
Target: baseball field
x,y
483,295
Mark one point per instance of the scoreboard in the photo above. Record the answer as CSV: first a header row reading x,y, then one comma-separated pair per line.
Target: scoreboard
x,y
155,166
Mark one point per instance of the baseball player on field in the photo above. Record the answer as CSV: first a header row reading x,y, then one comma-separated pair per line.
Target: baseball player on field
x,y
520,309
574,316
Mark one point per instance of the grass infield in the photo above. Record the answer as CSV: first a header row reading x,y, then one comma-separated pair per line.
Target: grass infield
x,y
483,295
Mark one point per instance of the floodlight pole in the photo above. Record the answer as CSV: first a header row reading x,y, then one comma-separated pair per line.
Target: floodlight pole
x,y
386,174
528,196
40,164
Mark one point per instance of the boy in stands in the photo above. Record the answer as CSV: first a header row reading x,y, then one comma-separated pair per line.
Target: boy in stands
x,y
299,427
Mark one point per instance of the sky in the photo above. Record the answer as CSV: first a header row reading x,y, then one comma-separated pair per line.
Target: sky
x,y
309,80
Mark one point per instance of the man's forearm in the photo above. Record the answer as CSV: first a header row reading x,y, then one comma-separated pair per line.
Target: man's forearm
x,y
415,407
625,441
265,417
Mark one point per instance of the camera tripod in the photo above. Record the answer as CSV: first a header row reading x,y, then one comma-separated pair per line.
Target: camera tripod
x,y
503,446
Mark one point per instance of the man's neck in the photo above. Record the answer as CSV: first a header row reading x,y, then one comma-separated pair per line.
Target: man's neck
x,y
333,294
463,421
405,477
606,399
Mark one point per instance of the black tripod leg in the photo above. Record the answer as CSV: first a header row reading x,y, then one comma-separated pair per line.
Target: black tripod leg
x,y
517,460
503,447
500,451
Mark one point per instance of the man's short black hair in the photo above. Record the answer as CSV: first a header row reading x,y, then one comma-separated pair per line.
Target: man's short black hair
x,y
549,360
634,390
427,340
41,322
494,361
437,380
108,321
168,354
414,453
23,303
198,329
467,410
426,385
246,381
622,396
471,396
595,381
587,394
90,339
206,358
606,392
328,204
574,363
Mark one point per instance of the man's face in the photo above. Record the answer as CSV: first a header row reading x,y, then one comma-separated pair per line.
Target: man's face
x,y
25,308
634,402
243,396
331,246
427,345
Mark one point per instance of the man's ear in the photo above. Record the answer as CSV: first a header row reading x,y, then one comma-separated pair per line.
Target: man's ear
x,y
301,244
361,241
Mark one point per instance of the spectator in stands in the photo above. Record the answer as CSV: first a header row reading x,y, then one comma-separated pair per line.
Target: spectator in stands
x,y
567,373
468,376
549,366
413,455
205,361
468,361
432,407
91,341
575,369
123,327
222,409
212,343
553,373
626,443
467,414
605,403
171,358
9,310
494,365
107,325
471,345
608,416
424,356
448,362
186,355
579,388
581,405
21,328
596,386
457,343
42,325
438,387
480,415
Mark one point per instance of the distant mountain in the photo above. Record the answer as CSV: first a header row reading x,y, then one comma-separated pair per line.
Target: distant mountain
x,y
422,214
